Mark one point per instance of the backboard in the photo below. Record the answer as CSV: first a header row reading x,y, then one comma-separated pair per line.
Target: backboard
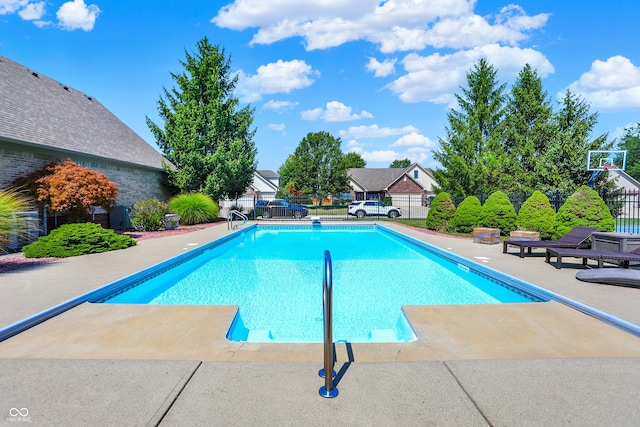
x,y
602,160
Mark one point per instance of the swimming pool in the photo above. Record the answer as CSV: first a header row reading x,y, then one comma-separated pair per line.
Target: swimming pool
x,y
274,275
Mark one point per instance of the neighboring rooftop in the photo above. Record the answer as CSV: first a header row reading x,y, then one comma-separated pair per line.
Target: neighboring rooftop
x,y
374,179
39,111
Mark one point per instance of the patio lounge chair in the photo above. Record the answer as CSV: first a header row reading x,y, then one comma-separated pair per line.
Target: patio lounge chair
x,y
600,256
573,239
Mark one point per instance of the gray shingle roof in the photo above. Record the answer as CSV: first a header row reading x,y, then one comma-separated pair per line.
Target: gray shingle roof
x,y
35,109
268,173
375,179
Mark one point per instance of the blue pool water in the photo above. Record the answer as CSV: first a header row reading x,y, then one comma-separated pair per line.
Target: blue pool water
x,y
274,275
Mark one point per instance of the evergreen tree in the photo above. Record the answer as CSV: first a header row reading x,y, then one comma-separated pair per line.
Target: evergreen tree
x,y
471,154
562,164
631,143
528,131
206,136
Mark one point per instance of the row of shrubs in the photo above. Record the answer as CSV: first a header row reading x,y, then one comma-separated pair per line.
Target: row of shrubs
x,y
192,208
584,207
149,215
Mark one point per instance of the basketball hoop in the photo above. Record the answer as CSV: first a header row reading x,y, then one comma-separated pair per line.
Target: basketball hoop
x,y
606,168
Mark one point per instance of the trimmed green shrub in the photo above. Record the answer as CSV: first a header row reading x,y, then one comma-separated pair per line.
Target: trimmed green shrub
x,y
194,208
536,214
584,207
440,212
498,212
467,215
148,215
77,239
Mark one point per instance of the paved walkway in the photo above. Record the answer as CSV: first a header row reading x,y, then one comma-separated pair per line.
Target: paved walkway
x,y
521,364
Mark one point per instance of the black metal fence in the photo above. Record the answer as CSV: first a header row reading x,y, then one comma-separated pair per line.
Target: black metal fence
x,y
624,206
412,207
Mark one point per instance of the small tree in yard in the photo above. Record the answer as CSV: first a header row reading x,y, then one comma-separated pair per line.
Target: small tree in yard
x,y
536,214
467,215
498,212
74,188
586,208
440,212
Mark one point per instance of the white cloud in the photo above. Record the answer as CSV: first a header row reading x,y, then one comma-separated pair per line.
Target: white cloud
x,y
11,6
379,156
74,15
382,69
312,115
609,85
32,11
435,78
395,25
278,127
411,145
276,77
279,105
413,139
335,112
374,131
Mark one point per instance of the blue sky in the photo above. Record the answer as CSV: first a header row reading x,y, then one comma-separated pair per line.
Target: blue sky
x,y
380,75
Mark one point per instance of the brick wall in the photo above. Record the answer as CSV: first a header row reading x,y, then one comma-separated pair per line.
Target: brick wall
x,y
406,185
134,183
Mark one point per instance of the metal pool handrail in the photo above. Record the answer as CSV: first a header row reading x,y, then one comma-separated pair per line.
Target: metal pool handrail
x,y
230,216
328,390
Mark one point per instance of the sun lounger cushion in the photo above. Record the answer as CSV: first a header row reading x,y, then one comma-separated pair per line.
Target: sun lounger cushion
x,y
611,276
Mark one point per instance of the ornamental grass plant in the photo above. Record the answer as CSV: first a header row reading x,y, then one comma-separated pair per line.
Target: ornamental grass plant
x,y
11,225
194,208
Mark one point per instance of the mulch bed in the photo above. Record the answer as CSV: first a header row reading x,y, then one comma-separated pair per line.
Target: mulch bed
x,y
11,262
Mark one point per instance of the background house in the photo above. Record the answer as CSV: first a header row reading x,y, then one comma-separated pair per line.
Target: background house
x,y
406,186
264,187
44,121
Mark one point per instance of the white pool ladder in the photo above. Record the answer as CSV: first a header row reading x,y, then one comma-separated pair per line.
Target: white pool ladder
x,y
238,214
328,390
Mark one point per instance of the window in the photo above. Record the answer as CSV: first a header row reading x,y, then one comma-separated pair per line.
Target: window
x,y
415,174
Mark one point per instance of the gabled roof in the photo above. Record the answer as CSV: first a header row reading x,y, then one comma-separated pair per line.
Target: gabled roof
x,y
375,179
625,176
268,173
264,182
39,111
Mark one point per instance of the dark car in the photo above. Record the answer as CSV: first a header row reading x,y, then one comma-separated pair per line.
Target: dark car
x,y
280,208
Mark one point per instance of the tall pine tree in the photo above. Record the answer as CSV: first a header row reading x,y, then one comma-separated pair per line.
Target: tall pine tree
x,y
528,131
563,163
471,153
206,136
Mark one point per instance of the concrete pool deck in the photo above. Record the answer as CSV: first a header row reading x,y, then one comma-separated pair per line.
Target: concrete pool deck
x,y
514,364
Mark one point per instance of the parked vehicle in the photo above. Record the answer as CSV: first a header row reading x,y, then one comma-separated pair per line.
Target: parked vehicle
x,y
362,208
280,208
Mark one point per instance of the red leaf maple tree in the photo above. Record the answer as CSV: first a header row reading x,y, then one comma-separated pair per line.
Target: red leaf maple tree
x,y
74,188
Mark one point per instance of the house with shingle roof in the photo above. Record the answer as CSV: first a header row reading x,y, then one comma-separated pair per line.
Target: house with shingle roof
x,y
44,121
406,186
264,187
